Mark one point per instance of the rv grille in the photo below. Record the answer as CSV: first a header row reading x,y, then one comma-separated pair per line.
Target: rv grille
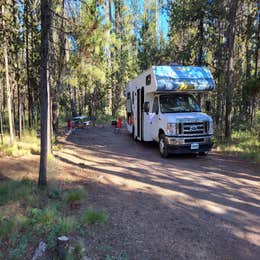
x,y
193,128
194,140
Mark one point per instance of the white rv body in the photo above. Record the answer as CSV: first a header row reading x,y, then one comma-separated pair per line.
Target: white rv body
x,y
177,132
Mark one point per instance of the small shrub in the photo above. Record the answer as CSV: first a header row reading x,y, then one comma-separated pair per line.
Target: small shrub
x,y
67,225
7,226
53,233
78,251
35,150
8,191
23,222
74,196
62,226
20,248
92,216
40,214
17,190
54,194
43,217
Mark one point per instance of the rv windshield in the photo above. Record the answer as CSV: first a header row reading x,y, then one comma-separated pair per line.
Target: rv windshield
x,y
178,103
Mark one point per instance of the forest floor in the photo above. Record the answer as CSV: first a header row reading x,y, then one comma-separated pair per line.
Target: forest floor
x,y
183,207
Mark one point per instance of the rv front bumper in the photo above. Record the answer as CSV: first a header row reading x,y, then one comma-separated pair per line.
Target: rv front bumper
x,y
189,144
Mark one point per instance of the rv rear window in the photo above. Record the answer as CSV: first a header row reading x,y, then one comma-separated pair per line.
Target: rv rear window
x,y
148,80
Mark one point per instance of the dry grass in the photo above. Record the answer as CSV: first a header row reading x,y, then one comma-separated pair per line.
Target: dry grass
x,y
29,144
243,144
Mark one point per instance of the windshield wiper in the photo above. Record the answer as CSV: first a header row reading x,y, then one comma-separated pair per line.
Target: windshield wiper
x,y
184,111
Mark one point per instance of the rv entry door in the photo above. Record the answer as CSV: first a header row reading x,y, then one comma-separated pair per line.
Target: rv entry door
x,y
140,114
155,119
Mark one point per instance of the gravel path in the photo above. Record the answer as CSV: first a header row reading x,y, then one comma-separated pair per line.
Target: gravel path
x,y
183,207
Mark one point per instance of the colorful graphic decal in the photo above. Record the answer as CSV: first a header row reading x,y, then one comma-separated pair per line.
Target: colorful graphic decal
x,y
181,78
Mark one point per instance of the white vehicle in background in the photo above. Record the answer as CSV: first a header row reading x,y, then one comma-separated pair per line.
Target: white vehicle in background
x,y
161,107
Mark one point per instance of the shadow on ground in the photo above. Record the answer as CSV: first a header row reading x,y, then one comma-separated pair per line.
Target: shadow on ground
x,y
184,207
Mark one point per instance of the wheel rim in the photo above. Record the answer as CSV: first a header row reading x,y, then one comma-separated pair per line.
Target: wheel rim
x,y
162,146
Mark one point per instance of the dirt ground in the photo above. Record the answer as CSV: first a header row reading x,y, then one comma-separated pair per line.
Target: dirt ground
x,y
183,207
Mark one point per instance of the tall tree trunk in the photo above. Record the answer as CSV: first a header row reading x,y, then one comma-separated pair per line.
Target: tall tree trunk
x,y
17,71
257,48
27,55
246,100
116,86
229,70
1,112
219,82
51,71
45,91
7,78
201,36
73,105
61,72
19,114
108,15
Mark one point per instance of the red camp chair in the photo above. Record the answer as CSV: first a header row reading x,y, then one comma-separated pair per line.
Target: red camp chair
x,y
118,125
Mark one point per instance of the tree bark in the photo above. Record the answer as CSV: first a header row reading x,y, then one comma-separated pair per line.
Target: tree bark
x,y
229,70
1,112
257,48
7,78
20,114
201,40
73,104
45,91
61,72
27,54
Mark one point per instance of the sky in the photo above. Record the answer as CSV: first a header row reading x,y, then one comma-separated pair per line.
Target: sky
x,y
164,24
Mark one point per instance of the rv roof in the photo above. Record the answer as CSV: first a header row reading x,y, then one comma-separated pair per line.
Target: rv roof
x,y
183,78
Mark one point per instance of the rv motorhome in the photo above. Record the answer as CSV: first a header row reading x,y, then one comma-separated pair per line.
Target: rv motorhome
x,y
161,107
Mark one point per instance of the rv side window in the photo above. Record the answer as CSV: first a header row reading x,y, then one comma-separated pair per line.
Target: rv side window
x,y
128,95
133,98
148,80
155,105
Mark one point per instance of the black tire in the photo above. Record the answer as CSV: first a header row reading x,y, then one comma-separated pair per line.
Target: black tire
x,y
203,153
133,133
163,149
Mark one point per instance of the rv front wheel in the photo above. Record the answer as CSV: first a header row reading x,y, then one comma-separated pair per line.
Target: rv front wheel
x,y
203,153
163,147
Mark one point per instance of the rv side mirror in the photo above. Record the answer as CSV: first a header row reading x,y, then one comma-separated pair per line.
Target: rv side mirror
x,y
208,106
146,107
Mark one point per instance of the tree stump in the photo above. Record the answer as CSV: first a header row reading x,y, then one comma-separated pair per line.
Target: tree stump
x,y
62,247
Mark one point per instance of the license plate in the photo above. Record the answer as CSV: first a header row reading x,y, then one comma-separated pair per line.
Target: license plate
x,y
194,146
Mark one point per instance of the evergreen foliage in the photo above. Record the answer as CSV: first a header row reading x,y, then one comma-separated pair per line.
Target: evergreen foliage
x,y
97,46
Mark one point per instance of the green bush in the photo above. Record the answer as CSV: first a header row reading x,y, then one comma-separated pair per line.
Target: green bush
x,y
92,216
7,226
74,196
62,226
67,225
40,214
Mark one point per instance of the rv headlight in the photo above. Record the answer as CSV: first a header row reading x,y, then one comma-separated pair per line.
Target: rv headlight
x,y
171,129
211,129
